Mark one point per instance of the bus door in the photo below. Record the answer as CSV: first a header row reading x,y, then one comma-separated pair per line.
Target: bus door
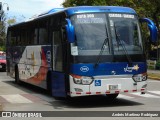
x,y
58,75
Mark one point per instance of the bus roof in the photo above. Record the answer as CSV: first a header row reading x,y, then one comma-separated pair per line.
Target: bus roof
x,y
51,11
85,9
82,9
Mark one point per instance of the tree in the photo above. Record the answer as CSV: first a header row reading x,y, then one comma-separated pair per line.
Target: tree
x,y
69,3
11,21
3,26
149,9
2,31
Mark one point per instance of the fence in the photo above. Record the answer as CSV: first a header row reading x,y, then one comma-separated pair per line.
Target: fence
x,y
151,64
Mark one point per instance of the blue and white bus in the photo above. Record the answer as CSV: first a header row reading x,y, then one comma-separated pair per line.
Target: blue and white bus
x,y
80,51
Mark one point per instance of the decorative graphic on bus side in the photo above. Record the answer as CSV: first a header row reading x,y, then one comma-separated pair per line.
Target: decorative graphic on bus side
x,y
33,60
40,75
130,69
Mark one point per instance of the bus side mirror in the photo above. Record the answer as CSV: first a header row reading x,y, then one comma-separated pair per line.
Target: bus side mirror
x,y
70,31
152,28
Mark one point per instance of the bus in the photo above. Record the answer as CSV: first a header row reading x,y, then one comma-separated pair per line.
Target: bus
x,y
81,51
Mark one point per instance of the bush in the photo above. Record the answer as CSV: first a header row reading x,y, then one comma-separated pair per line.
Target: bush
x,y
2,48
158,65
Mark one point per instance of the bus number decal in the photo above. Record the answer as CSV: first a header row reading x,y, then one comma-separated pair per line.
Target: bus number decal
x,y
85,16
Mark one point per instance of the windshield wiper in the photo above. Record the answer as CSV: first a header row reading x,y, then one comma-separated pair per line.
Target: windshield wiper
x,y
119,41
102,48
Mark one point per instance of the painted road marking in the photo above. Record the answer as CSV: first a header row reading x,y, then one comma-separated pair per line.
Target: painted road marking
x,y
34,98
147,95
153,81
16,98
154,92
124,96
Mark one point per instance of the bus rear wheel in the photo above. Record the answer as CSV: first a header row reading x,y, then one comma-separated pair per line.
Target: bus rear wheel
x,y
17,76
49,84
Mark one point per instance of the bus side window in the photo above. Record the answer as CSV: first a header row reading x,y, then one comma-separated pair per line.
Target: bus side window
x,y
24,37
43,36
30,37
35,39
43,32
18,40
8,38
13,39
57,52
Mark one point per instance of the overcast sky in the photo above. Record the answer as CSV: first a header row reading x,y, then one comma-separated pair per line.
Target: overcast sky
x,y
27,8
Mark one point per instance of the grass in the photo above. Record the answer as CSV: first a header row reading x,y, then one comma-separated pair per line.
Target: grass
x,y
154,75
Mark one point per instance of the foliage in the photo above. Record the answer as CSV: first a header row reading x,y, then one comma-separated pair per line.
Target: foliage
x,y
2,48
149,9
11,21
3,24
69,3
158,65
2,31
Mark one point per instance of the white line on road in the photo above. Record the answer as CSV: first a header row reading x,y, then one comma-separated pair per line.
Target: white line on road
x,y
145,95
155,92
153,81
16,98
124,96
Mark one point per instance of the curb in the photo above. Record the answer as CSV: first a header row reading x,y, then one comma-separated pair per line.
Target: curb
x,y
153,78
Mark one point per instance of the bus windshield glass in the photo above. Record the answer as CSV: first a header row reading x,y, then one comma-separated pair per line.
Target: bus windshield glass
x,y
125,33
121,32
91,33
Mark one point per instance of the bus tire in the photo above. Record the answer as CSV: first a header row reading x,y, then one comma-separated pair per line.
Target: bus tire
x,y
59,98
17,75
111,96
49,84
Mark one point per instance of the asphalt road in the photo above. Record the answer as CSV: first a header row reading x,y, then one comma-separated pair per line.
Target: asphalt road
x,y
24,97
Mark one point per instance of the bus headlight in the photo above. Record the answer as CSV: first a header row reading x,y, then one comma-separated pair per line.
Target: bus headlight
x,y
82,80
140,77
87,80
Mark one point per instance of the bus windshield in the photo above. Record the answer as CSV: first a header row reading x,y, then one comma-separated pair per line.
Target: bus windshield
x,y
91,30
125,32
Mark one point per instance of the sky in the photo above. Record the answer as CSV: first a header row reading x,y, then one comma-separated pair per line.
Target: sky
x,y
25,9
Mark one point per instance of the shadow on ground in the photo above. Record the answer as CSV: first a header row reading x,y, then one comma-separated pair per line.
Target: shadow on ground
x,y
78,102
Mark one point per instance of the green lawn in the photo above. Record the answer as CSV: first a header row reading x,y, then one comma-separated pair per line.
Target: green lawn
x,y
154,75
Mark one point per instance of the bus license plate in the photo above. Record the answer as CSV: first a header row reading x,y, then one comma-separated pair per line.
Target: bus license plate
x,y
113,87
